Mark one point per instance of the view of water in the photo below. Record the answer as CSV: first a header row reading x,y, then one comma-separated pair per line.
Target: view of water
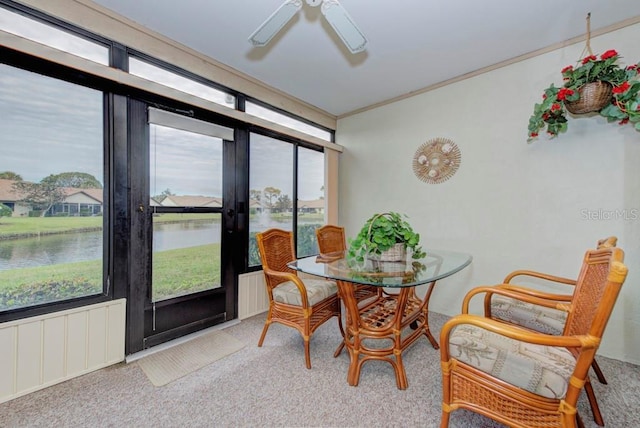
x,y
77,247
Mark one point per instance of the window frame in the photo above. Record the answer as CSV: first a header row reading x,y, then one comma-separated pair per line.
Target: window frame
x,y
297,143
115,95
27,63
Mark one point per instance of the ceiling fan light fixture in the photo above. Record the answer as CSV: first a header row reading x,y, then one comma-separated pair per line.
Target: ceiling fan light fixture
x,y
333,12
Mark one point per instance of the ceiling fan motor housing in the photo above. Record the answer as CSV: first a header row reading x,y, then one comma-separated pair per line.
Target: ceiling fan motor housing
x,y
314,3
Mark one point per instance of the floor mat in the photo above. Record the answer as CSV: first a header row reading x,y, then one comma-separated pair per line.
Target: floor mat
x,y
178,361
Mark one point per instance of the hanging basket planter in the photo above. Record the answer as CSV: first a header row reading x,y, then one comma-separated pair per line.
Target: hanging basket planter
x,y
594,96
596,84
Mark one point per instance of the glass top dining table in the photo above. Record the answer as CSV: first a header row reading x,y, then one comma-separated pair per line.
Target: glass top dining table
x,y
384,315
437,264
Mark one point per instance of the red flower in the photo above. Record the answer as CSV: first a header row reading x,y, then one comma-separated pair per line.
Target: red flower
x,y
562,93
589,58
545,116
609,54
533,134
544,96
632,67
555,106
624,121
622,88
567,69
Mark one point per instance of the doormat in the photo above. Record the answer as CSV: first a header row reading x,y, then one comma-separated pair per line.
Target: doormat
x,y
166,366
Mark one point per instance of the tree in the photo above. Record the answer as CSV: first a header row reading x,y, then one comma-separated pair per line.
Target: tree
x,y
5,211
270,193
78,180
10,175
256,195
284,203
44,195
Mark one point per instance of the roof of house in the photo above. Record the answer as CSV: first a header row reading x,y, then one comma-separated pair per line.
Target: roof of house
x,y
191,201
6,190
8,194
316,203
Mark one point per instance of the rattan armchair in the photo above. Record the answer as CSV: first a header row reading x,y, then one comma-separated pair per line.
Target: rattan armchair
x,y
331,240
304,304
523,378
543,319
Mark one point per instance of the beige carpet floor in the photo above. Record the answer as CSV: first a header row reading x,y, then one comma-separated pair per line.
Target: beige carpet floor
x,y
170,364
270,387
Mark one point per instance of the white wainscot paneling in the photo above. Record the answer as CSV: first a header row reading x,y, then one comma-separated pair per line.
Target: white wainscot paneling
x,y
252,295
41,351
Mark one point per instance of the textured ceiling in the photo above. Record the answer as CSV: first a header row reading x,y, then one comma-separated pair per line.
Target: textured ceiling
x,y
412,43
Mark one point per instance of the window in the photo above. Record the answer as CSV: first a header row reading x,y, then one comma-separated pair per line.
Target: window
x,y
173,80
270,188
272,195
186,196
51,175
284,120
310,199
31,29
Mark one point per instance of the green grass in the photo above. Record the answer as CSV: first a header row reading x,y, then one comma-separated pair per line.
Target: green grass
x,y
175,272
186,270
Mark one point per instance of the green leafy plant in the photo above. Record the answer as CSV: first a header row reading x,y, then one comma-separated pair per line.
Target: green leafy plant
x,y
623,108
380,233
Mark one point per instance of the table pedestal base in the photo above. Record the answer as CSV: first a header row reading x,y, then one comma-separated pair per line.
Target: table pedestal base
x,y
379,329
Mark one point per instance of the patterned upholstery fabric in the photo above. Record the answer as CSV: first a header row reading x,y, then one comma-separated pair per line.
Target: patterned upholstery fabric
x,y
528,315
317,290
542,370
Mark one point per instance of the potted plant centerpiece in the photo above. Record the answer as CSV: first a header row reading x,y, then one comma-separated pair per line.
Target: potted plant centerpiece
x,y
385,237
597,84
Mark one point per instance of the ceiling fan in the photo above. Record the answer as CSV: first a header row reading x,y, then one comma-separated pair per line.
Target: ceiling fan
x,y
333,12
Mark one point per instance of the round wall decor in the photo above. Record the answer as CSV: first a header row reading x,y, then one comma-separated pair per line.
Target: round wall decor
x,y
436,160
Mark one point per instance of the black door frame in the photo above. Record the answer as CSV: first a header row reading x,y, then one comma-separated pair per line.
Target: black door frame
x,y
149,324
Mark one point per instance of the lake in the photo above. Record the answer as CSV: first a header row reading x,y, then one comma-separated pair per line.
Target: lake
x,y
77,247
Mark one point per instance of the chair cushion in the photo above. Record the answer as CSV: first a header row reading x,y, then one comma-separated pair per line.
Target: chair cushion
x,y
542,370
534,317
317,290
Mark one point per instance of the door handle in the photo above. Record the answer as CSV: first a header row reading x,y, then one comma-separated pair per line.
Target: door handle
x,y
141,208
230,212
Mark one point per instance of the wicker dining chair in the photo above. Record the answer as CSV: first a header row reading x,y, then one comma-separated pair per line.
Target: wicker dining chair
x,y
304,304
524,378
544,319
331,240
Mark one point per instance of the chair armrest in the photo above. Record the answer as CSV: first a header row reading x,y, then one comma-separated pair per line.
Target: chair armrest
x,y
513,332
287,276
540,275
548,300
551,297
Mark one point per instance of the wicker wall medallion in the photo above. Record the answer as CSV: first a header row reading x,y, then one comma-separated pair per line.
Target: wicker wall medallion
x,y
436,160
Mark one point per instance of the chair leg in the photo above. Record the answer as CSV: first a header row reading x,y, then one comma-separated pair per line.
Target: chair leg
x,y
307,353
444,419
579,422
341,346
264,332
595,409
599,374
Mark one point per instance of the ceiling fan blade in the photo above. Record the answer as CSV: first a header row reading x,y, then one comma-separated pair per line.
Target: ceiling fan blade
x,y
344,26
275,22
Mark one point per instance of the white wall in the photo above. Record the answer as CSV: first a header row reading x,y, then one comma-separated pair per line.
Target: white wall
x,y
511,205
